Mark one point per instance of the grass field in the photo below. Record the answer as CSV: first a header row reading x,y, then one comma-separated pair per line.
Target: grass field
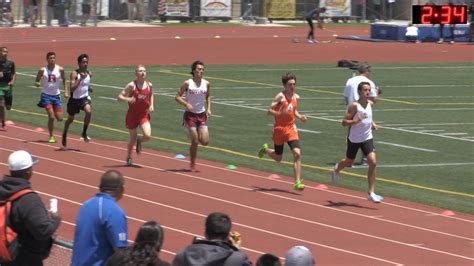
x,y
424,144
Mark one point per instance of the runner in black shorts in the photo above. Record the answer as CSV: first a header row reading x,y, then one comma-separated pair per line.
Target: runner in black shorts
x,y
80,99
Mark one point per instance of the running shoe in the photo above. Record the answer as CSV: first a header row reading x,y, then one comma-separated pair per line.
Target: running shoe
x,y
51,139
375,198
364,161
129,161
299,185
335,175
85,138
262,150
138,147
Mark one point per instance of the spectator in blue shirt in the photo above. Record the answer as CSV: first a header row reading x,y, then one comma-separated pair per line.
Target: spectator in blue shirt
x,y
101,225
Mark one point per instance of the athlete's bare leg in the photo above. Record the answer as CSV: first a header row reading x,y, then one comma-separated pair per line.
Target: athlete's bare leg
x,y
371,160
297,164
193,135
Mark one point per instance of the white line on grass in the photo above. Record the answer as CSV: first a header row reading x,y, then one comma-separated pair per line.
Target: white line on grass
x,y
430,124
429,130
405,146
415,165
334,120
454,134
107,98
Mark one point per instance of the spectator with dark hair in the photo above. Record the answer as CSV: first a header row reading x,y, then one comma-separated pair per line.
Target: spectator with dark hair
x,y
144,251
268,259
29,218
101,225
299,256
221,247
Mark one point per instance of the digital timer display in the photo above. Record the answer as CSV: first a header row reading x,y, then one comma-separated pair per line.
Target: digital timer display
x,y
442,14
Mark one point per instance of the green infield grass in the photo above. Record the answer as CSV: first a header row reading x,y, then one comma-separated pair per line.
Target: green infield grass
x,y
425,113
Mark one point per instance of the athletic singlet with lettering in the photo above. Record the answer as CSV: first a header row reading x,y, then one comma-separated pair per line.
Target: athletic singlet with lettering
x,y
142,99
82,89
196,96
51,81
287,119
362,131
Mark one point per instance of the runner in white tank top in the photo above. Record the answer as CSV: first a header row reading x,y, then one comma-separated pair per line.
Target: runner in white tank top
x,y
51,81
359,117
362,131
50,78
82,89
195,96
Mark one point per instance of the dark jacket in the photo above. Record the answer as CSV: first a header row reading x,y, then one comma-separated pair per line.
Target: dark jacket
x,y
211,253
30,220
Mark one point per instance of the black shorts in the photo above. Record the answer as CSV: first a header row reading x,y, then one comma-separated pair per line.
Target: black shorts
x,y
293,144
86,9
366,147
74,106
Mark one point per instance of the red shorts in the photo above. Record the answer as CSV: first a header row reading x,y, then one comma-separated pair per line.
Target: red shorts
x,y
281,135
192,120
132,121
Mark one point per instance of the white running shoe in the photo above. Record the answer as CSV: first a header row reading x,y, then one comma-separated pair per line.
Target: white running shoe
x,y
334,175
375,198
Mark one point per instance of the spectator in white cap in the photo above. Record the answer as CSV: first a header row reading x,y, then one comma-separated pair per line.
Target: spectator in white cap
x,y
299,256
33,224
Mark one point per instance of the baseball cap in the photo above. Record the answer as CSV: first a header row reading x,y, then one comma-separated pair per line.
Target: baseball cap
x,y
299,256
21,160
364,68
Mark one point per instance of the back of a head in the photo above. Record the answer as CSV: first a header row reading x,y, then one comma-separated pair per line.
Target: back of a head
x,y
218,226
299,256
150,233
268,259
112,181
364,68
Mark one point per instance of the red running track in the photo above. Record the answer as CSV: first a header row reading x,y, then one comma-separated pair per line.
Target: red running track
x,y
339,226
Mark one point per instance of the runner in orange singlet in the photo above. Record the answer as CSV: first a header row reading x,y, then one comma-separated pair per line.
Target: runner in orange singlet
x,y
283,108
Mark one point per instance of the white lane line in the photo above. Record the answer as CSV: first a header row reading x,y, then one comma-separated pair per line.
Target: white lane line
x,y
412,127
287,183
454,134
415,165
107,98
238,204
405,146
430,124
430,130
225,201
